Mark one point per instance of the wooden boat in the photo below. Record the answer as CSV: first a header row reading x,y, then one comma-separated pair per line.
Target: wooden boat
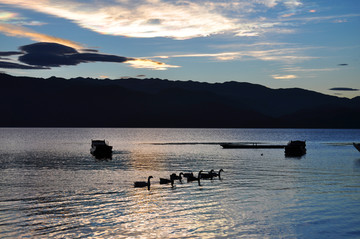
x,y
101,149
357,146
295,148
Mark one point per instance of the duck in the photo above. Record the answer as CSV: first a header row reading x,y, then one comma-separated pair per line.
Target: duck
x,y
208,175
187,175
143,184
214,174
192,178
176,177
167,181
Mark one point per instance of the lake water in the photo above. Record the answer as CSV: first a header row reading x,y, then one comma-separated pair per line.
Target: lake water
x,y
51,187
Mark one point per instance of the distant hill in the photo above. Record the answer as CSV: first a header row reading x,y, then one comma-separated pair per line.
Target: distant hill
x,y
86,102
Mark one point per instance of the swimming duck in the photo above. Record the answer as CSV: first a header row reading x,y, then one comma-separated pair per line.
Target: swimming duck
x,y
214,174
192,178
167,181
143,184
208,175
187,175
176,177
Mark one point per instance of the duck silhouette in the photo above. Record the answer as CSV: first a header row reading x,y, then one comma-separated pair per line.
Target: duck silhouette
x,y
214,174
167,181
208,175
187,175
176,177
143,184
192,178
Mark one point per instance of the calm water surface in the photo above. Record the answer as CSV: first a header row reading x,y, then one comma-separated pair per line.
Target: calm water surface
x,y
51,187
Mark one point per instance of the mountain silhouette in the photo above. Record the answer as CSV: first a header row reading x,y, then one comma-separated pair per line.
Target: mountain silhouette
x,y
87,102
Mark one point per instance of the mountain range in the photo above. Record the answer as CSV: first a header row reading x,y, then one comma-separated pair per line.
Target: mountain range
x,y
87,102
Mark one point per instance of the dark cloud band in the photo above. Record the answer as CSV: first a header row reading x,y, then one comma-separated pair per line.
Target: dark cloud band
x,y
44,55
343,89
56,55
11,65
10,53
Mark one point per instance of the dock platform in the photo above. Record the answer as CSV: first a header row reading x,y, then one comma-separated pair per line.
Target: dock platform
x,y
251,146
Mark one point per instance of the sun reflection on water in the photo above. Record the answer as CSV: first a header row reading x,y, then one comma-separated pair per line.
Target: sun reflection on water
x,y
147,157
174,213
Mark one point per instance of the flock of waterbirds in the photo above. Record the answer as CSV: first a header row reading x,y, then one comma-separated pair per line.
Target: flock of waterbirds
x,y
190,177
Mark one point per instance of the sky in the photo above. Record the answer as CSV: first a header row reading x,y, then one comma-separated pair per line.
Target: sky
x,y
313,45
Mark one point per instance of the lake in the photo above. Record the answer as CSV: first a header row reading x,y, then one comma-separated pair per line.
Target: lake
x,y
52,187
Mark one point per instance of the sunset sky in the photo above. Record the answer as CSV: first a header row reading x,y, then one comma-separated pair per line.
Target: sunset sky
x,y
313,45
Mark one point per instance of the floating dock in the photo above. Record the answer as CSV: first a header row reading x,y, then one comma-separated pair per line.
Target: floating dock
x,y
295,148
251,146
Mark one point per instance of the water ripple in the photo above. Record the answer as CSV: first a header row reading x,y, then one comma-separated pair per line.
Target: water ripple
x,y
66,193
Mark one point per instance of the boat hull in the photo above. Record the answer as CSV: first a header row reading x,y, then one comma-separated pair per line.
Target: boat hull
x,y
100,149
100,152
357,146
295,149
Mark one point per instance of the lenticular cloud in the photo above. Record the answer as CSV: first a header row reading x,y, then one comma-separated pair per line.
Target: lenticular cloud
x,y
54,55
44,55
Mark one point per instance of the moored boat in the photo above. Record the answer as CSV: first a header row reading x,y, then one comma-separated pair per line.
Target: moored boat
x,y
101,149
295,148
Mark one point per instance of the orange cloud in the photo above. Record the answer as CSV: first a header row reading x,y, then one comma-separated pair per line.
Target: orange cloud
x,y
149,64
288,15
17,31
284,77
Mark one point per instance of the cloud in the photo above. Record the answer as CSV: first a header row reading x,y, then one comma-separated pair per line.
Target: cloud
x,y
264,51
176,19
136,18
6,16
284,77
149,64
44,55
340,21
11,65
17,31
287,55
292,3
288,15
331,18
56,55
10,53
307,70
343,89
17,19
